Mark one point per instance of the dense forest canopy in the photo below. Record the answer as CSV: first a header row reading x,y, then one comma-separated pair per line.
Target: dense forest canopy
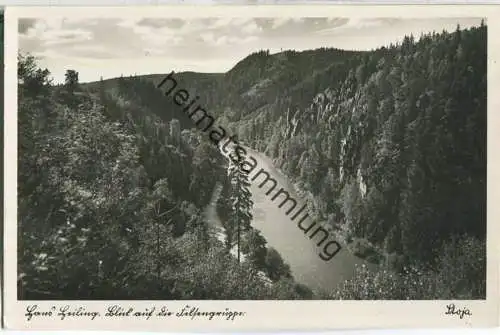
x,y
388,146
112,198
391,143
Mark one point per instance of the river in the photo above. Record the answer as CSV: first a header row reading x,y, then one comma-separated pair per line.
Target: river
x,y
283,234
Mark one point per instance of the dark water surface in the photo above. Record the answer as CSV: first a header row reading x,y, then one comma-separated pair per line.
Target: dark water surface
x,y
283,234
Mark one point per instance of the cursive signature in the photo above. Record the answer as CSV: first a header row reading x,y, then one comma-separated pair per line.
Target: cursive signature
x,y
452,310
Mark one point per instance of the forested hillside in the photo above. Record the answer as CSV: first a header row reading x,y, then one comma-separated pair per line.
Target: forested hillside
x,y
112,191
387,146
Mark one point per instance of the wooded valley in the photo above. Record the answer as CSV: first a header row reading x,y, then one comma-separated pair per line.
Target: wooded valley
x,y
387,146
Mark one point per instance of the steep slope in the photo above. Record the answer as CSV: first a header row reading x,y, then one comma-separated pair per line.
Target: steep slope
x,y
112,195
387,146
366,134
390,143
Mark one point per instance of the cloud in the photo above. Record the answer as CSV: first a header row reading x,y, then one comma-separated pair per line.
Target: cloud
x,y
281,22
66,36
353,25
25,24
229,21
231,40
208,37
297,26
200,44
251,28
264,22
69,36
222,40
156,36
160,23
337,21
144,35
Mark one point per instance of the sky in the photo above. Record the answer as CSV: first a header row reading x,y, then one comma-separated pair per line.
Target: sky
x,y
110,47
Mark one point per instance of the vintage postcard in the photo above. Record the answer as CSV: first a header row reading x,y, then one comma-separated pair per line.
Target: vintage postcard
x,y
230,168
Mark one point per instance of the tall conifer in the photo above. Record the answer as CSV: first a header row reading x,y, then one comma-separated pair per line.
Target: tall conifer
x,y
241,201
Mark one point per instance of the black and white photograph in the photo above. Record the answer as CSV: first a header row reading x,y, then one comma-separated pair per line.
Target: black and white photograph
x,y
203,157
252,158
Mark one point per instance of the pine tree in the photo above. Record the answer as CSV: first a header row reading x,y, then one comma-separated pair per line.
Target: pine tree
x,y
71,80
69,88
241,202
